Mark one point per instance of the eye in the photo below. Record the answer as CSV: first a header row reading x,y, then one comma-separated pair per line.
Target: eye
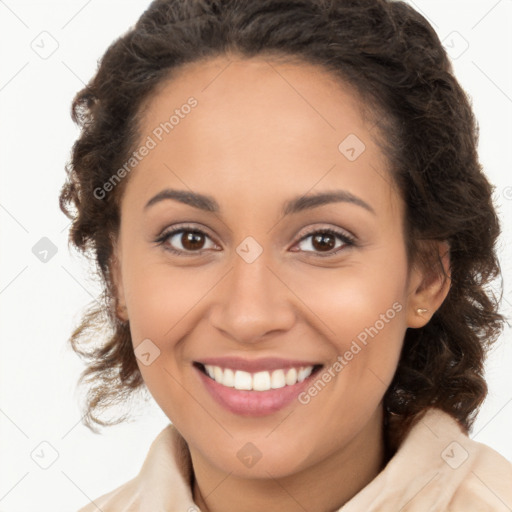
x,y
186,239
328,241
189,240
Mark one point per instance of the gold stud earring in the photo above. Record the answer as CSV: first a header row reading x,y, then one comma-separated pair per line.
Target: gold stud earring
x,y
121,311
420,311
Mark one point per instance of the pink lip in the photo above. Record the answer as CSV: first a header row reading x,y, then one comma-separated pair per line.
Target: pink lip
x,y
255,365
253,403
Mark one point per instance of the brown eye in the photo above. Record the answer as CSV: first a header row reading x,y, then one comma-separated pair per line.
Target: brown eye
x,y
323,242
186,241
327,241
191,240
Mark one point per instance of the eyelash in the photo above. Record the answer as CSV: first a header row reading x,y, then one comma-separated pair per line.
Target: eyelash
x,y
347,240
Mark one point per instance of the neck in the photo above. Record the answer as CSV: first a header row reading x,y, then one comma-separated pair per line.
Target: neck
x,y
324,487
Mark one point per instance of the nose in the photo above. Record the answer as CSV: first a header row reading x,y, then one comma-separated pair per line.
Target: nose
x,y
252,302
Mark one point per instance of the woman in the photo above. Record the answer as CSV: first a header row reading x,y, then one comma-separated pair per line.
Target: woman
x,y
295,235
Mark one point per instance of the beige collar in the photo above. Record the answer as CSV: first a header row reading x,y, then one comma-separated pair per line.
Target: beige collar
x,y
436,468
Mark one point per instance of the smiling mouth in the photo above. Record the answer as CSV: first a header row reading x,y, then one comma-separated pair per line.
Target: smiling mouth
x,y
257,381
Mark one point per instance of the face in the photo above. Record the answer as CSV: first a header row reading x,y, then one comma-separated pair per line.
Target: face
x,y
296,305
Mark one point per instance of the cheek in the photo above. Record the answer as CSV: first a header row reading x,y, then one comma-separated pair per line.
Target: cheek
x,y
351,301
163,303
159,297
363,317
361,311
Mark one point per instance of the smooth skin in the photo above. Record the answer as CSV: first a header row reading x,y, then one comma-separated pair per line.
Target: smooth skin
x,y
264,132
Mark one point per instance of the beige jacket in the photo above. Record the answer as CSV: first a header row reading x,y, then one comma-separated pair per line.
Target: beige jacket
x,y
437,468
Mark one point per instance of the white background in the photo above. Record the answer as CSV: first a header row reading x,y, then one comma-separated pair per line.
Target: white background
x,y
40,303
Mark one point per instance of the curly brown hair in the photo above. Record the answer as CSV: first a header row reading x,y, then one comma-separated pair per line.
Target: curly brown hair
x,y
392,57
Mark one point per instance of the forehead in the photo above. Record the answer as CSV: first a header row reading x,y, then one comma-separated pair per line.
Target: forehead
x,y
293,125
278,94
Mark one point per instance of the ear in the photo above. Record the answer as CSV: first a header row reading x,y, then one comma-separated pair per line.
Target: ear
x,y
429,284
117,281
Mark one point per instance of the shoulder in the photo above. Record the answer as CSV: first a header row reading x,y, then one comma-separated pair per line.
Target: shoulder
x,y
162,481
463,474
119,497
485,482
438,467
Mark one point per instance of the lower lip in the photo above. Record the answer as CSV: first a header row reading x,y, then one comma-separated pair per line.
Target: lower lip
x,y
253,403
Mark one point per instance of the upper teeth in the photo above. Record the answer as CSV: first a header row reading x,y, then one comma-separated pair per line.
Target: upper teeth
x,y
260,381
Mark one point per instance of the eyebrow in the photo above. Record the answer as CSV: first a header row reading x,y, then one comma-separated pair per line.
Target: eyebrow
x,y
295,205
